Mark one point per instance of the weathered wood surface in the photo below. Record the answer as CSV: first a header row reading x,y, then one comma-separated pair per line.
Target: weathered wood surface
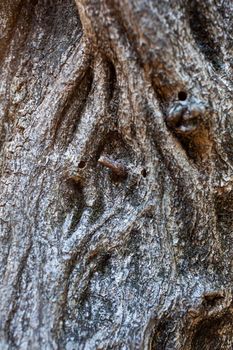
x,y
116,205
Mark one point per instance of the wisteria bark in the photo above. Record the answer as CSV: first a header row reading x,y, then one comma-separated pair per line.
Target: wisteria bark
x,y
116,207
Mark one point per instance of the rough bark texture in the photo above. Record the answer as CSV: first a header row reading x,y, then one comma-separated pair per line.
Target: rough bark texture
x,y
116,204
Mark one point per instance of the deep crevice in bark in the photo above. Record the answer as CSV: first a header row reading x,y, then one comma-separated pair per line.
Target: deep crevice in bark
x,y
105,253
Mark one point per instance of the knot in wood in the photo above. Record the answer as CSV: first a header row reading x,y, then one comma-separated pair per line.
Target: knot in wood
x,y
185,117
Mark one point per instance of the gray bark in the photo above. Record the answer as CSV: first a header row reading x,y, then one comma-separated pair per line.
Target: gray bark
x,y
116,207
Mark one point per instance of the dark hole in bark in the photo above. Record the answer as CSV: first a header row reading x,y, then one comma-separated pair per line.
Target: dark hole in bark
x,y
103,262
82,164
182,95
143,172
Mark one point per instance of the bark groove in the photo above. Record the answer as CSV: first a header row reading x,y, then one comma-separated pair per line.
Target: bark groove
x,y
116,208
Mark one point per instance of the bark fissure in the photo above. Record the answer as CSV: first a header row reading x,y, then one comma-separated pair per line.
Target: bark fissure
x,y
116,216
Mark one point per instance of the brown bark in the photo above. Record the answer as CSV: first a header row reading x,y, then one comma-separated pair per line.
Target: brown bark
x,y
116,208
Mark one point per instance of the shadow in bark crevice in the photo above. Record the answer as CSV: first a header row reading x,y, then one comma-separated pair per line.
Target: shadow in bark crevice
x,y
200,27
214,333
113,89
66,124
74,197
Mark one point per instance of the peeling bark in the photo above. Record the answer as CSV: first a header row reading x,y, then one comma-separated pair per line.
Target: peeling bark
x,y
116,208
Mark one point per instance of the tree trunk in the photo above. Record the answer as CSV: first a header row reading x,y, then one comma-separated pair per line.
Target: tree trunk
x,y
116,179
